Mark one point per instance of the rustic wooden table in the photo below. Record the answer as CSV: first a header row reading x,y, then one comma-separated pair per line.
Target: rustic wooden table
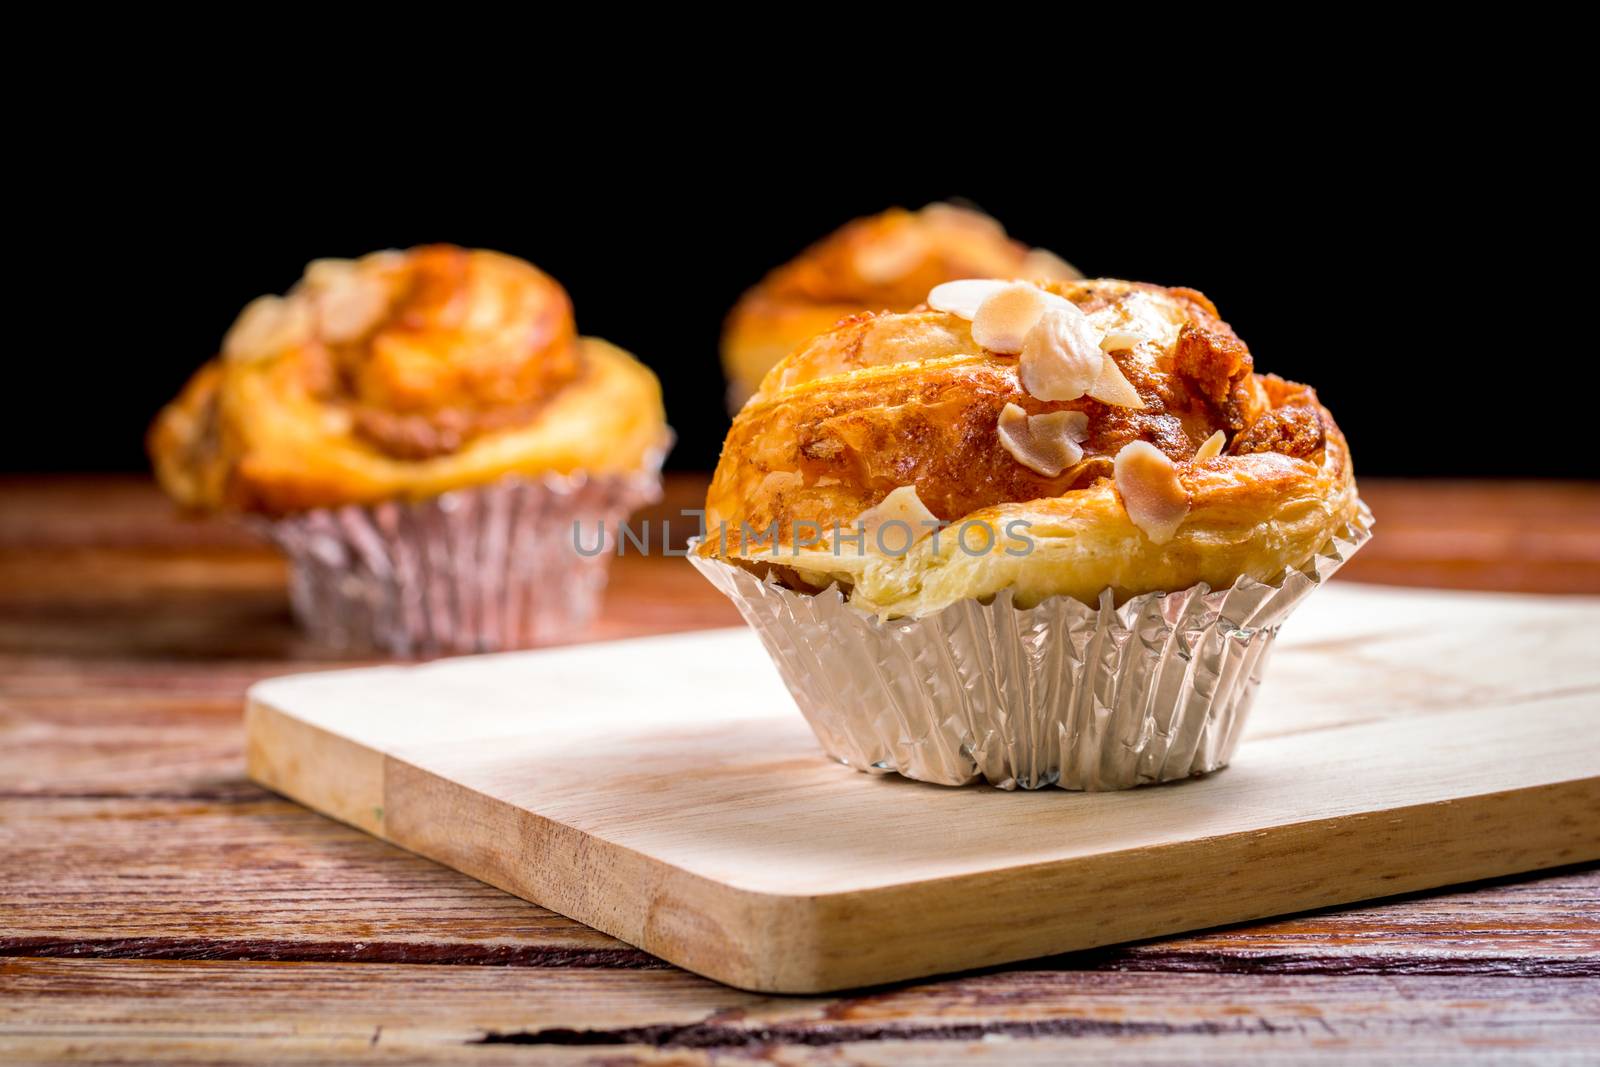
x,y
154,904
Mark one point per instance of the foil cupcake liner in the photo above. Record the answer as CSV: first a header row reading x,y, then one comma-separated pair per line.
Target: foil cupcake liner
x,y
471,570
1059,694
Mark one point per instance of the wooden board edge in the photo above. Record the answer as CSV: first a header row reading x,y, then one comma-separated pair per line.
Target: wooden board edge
x,y
670,912
777,943
318,768
881,935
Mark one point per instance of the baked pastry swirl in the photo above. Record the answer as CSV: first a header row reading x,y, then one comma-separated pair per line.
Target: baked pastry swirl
x,y
886,262
1121,425
403,375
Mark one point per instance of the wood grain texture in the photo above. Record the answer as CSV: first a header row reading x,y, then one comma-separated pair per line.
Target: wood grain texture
x,y
128,637
256,877
664,790
103,1011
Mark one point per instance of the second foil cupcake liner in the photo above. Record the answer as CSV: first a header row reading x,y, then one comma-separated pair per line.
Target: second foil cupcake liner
x,y
471,570
1059,694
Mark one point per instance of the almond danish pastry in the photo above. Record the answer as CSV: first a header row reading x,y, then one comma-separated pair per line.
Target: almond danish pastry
x,y
1041,534
886,262
419,430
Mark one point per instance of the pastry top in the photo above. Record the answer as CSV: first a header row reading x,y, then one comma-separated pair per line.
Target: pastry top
x,y
1122,424
403,374
885,262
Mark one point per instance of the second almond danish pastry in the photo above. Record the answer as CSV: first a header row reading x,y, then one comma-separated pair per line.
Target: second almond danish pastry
x,y
420,431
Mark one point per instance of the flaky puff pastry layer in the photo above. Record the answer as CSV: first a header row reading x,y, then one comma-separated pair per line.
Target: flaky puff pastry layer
x,y
886,401
885,262
403,374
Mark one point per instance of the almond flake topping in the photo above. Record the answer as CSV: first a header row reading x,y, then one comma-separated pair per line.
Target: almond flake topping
x,y
894,256
1120,339
349,301
1061,358
1138,319
964,297
1113,386
902,505
1147,481
321,273
1005,318
267,326
1047,443
1211,448
1004,314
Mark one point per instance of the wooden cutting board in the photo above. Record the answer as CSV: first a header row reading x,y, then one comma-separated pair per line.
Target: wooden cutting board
x,y
667,792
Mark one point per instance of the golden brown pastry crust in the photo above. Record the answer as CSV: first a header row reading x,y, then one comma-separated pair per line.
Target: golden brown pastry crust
x,y
885,262
889,400
403,374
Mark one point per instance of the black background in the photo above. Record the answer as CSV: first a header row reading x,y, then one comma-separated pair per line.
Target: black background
x,y
1386,265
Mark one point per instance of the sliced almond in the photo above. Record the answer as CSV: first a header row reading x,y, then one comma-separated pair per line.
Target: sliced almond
x,y
350,308
1138,318
1113,386
953,215
964,297
891,256
320,273
902,505
1047,443
388,261
267,326
1005,318
1211,448
1061,355
1148,482
1120,339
